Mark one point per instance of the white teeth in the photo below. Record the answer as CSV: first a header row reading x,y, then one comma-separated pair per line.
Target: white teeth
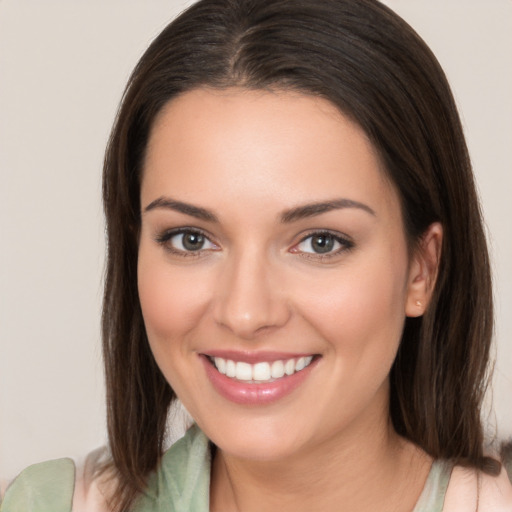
x,y
230,368
260,372
277,370
243,371
221,365
289,367
299,365
302,362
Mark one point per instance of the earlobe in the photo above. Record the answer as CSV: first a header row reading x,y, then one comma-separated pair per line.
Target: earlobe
x,y
423,270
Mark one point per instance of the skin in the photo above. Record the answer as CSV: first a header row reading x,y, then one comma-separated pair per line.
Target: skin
x,y
258,285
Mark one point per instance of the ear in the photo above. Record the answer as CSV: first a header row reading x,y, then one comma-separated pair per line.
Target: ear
x,y
423,270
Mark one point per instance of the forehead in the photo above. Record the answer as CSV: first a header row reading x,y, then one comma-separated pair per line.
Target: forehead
x,y
268,148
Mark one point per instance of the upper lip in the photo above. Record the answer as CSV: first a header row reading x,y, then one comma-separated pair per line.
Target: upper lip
x,y
253,357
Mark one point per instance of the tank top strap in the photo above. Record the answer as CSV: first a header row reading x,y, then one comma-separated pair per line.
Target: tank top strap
x,y
434,492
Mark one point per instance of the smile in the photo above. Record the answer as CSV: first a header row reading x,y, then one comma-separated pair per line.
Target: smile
x,y
261,371
257,379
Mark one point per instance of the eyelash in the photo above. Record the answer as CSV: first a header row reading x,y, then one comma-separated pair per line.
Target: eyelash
x,y
345,245
165,238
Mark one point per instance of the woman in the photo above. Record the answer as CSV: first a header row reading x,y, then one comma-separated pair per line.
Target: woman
x,y
296,252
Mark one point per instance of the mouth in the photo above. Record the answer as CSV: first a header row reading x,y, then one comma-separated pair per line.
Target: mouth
x,y
257,379
261,372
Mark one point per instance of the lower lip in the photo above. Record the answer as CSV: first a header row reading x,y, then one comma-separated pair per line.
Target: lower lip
x,y
244,393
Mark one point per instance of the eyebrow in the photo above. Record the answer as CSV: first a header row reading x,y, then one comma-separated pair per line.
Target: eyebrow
x,y
312,209
288,216
179,206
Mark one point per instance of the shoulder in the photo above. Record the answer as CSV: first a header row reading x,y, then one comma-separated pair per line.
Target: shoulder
x,y
42,487
468,487
181,481
58,485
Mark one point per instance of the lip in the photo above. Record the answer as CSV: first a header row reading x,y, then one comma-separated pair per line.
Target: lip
x,y
244,393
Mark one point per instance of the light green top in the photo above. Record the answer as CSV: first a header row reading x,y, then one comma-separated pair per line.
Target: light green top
x,y
181,484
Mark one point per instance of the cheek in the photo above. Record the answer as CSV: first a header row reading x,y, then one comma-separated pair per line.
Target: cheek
x,y
171,300
360,311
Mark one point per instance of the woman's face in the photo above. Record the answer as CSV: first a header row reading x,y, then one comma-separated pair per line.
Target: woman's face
x,y
271,240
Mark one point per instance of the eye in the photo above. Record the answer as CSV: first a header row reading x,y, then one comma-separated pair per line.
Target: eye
x,y
322,244
186,241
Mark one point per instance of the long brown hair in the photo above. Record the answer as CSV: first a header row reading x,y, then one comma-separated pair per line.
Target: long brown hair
x,y
368,62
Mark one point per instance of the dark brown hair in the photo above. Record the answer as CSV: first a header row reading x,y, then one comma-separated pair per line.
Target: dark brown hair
x,y
368,62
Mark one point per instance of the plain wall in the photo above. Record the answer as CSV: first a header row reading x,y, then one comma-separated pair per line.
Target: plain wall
x,y
63,66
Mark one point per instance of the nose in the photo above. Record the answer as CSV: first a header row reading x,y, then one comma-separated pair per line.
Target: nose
x,y
249,299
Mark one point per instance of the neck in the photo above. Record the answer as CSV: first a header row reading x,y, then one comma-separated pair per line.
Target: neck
x,y
363,469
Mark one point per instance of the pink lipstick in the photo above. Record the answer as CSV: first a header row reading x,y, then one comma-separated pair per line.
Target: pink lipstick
x,y
251,378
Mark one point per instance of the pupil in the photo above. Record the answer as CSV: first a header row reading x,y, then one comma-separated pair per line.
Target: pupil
x,y
193,241
322,243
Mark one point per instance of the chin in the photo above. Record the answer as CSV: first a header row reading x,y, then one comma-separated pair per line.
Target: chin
x,y
259,449
263,439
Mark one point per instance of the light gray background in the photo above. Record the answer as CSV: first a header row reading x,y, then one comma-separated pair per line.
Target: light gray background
x,y
63,66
